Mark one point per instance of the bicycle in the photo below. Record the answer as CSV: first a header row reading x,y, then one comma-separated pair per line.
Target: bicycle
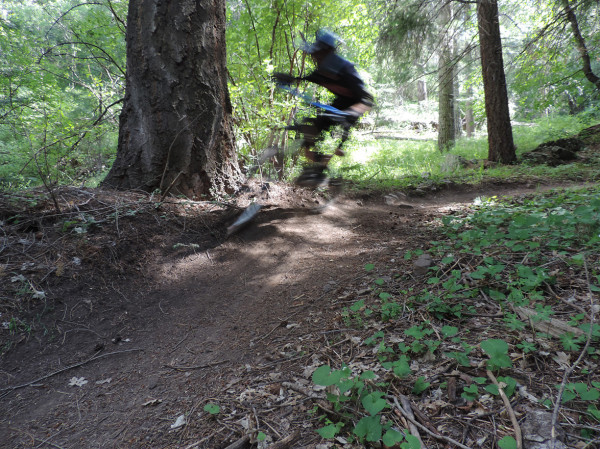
x,y
312,176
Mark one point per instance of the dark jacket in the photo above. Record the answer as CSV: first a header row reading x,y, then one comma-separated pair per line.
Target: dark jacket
x,y
340,77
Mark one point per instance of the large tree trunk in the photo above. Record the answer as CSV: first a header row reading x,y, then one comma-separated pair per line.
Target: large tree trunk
x,y
175,126
446,116
500,138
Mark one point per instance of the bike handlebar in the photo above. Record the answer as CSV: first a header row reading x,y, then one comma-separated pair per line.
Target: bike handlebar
x,y
325,107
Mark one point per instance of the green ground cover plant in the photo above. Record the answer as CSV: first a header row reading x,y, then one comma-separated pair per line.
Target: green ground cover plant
x,y
517,257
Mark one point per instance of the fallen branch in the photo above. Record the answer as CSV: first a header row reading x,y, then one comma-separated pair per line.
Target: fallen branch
x,y
239,444
582,354
9,390
552,326
509,409
186,368
285,442
425,429
301,389
414,430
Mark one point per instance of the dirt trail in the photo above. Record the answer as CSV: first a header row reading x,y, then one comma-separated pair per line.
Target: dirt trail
x,y
182,328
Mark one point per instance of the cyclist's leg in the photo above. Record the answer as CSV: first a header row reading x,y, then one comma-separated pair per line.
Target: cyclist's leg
x,y
314,133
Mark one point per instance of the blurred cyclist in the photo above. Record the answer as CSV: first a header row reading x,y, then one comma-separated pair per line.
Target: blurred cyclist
x,y
340,77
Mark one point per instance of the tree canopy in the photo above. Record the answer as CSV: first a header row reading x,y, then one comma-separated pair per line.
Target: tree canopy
x,y
63,67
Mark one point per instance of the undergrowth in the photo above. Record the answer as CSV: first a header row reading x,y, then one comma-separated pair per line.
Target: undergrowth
x,y
509,307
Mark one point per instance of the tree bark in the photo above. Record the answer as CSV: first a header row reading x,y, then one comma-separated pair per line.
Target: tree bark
x,y
421,90
500,139
581,46
175,127
446,115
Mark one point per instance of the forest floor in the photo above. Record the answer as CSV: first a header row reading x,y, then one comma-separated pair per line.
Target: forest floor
x,y
127,317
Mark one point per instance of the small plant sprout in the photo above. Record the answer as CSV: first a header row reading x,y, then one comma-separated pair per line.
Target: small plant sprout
x,y
497,351
212,408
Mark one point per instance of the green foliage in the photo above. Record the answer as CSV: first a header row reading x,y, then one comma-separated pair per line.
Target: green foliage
x,y
507,442
553,64
497,351
211,408
267,37
62,64
581,391
350,389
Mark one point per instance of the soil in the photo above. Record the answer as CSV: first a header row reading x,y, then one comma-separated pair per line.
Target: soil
x,y
147,312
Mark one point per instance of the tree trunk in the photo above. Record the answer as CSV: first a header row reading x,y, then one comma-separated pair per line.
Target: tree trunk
x,y
500,139
469,119
446,116
581,46
456,99
175,127
421,90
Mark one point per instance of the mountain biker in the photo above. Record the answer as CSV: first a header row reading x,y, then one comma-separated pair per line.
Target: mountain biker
x,y
340,77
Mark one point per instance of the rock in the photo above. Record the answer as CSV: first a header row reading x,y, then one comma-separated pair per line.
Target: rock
x,y
454,162
329,286
422,264
394,199
590,135
537,428
554,153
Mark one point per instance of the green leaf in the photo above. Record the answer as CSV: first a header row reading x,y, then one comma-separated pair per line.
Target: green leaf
x,y
460,357
369,267
328,432
593,410
412,442
510,385
492,389
497,350
587,395
261,436
391,437
449,331
420,385
373,403
401,367
507,442
357,305
470,393
211,408
325,377
370,428
367,375
568,396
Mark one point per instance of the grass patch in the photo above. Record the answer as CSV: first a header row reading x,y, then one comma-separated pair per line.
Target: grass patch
x,y
384,164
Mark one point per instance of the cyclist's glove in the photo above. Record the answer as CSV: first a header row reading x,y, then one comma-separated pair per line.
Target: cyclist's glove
x,y
283,78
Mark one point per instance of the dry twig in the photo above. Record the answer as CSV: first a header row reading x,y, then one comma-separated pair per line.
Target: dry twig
x,y
9,390
582,354
414,430
429,432
286,442
509,409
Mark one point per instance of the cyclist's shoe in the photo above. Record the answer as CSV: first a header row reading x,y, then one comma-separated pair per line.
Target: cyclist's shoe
x,y
312,177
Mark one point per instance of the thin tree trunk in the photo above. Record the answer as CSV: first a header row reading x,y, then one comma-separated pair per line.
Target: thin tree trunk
x,y
581,46
447,129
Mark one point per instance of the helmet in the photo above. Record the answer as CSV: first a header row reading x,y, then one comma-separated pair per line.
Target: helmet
x,y
324,40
